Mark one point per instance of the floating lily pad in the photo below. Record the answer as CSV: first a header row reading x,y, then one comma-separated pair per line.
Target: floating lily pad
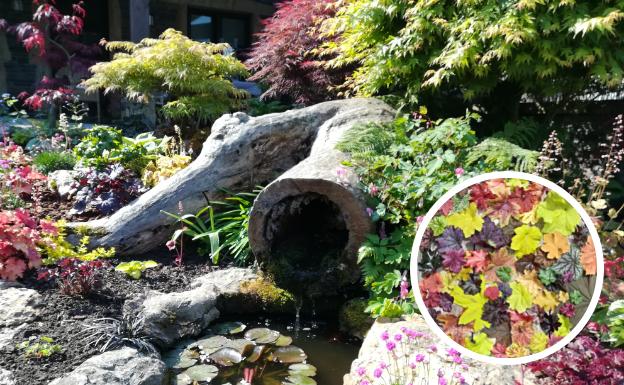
x,y
182,379
229,328
257,352
262,335
212,344
288,355
180,359
243,346
226,357
202,372
299,380
283,341
302,369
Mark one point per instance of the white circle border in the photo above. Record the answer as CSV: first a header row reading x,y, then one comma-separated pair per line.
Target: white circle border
x,y
422,227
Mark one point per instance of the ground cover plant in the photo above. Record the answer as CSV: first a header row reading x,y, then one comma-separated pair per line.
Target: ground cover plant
x,y
506,267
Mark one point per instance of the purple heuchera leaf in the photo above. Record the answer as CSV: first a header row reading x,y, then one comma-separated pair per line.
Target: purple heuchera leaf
x,y
454,260
451,240
490,236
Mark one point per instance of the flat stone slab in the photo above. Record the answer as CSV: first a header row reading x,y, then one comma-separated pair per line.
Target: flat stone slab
x,y
18,306
125,366
6,377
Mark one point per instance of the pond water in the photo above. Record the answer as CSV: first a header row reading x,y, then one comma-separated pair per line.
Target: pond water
x,y
327,349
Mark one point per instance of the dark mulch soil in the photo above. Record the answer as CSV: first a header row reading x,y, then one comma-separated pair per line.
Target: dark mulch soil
x,y
47,204
62,316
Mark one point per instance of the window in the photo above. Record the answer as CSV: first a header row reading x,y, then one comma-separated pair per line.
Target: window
x,y
220,28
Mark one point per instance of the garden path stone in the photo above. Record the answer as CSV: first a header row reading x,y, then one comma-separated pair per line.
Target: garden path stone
x,y
170,317
6,377
125,366
18,306
476,373
61,181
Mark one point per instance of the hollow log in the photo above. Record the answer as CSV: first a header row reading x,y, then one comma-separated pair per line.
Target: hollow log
x,y
242,152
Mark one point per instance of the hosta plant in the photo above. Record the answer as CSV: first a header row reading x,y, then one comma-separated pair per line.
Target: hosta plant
x,y
506,267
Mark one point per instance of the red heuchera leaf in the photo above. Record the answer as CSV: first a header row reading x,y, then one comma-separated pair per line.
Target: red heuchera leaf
x,y
454,260
526,199
430,284
481,195
477,259
499,350
447,207
521,332
12,268
452,329
492,293
514,316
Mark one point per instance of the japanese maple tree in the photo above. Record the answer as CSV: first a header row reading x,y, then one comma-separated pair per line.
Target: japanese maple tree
x,y
283,56
52,38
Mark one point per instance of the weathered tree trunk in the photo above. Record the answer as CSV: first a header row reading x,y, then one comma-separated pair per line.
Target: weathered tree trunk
x,y
242,152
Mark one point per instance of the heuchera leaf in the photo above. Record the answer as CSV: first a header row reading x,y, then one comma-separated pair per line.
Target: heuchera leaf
x,y
489,236
547,276
558,215
569,263
520,299
437,225
504,273
521,332
526,198
555,244
454,260
451,239
588,257
565,326
539,342
546,300
477,259
473,308
481,195
526,240
480,343
430,284
468,220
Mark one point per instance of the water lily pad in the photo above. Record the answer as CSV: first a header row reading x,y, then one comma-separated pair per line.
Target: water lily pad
x,y
182,379
283,341
299,380
180,358
257,352
229,328
262,335
288,355
226,357
202,372
302,370
211,344
243,346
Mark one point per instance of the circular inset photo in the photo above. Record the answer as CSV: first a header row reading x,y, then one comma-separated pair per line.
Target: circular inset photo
x,y
508,266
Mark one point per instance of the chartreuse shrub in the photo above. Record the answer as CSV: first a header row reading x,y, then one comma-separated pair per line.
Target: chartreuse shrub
x,y
197,76
404,168
537,47
56,247
134,269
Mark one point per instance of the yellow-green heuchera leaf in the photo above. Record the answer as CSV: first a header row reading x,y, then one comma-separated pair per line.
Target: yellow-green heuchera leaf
x,y
480,343
539,342
558,215
526,240
467,220
565,327
520,299
473,307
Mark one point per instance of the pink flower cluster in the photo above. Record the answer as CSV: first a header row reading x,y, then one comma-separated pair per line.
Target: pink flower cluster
x,y
403,365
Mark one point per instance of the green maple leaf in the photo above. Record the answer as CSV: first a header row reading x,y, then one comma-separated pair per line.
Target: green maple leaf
x,y
480,343
520,299
467,220
526,240
558,215
473,307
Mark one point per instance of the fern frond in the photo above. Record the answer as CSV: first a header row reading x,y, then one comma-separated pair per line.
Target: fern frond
x,y
499,155
370,138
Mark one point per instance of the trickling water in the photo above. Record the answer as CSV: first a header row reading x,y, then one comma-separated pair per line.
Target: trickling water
x,y
313,323
298,306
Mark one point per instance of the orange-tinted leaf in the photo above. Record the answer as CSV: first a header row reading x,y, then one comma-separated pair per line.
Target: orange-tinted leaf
x,y
521,332
477,259
555,244
588,257
431,284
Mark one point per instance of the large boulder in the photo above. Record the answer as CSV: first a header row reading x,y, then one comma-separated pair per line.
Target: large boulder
x,y
125,366
170,317
19,306
6,377
438,360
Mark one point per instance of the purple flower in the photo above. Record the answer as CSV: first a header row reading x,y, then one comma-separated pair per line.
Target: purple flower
x,y
452,352
369,211
419,357
341,172
442,381
390,346
364,382
385,335
361,371
432,348
398,337
404,288
170,244
374,190
377,373
459,171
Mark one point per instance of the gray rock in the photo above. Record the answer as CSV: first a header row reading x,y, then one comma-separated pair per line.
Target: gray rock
x,y
18,306
6,377
170,317
7,335
374,351
125,366
7,284
61,181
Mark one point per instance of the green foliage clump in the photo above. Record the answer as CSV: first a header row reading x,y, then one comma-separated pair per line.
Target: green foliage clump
x,y
104,145
39,347
353,318
197,76
49,161
541,47
22,136
405,167
56,247
269,294
134,269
